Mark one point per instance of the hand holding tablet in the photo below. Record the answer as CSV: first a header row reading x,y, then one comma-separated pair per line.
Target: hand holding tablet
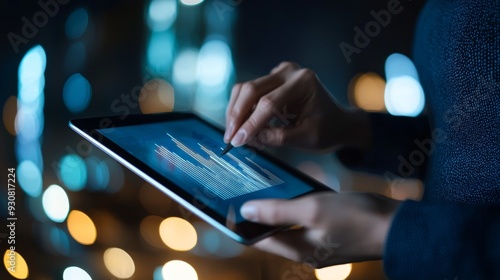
x,y
179,153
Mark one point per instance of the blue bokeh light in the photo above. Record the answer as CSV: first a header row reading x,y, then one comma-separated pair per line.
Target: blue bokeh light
x,y
160,51
31,69
60,241
184,71
403,95
77,93
98,172
162,14
73,172
214,65
29,177
77,23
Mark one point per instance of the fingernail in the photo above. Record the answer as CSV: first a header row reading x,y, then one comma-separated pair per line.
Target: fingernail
x,y
249,212
229,131
239,138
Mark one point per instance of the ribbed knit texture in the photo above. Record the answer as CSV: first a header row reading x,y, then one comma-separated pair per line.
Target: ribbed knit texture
x,y
454,233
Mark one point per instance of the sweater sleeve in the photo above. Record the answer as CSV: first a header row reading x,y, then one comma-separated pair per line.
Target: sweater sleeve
x,y
443,241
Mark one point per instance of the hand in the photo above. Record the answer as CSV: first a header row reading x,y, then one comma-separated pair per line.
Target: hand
x,y
335,228
308,116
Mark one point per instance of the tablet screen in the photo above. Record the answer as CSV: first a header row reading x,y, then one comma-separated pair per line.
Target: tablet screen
x,y
187,152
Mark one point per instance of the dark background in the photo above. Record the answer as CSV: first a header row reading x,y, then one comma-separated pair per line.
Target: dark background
x,y
262,34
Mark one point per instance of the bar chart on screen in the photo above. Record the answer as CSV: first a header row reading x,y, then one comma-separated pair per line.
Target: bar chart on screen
x,y
227,176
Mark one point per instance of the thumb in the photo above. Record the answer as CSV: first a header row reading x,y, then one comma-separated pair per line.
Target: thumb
x,y
272,211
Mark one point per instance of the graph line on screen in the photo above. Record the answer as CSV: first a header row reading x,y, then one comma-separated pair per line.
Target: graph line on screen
x,y
224,178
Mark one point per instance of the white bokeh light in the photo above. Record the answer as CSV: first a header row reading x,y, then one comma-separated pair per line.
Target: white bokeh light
x,y
55,203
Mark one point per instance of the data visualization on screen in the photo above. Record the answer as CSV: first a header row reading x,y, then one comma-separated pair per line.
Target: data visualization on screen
x,y
226,176
187,153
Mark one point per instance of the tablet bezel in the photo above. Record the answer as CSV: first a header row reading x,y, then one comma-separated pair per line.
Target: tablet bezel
x,y
244,232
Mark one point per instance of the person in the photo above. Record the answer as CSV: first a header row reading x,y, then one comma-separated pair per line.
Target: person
x,y
454,231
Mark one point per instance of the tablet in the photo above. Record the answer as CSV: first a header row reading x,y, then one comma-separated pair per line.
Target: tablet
x,y
179,153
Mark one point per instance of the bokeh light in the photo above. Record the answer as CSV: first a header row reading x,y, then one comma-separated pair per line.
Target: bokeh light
x,y
366,91
178,234
73,172
162,14
30,152
160,51
119,263
185,67
191,2
214,64
402,189
178,270
81,227
29,119
397,65
29,177
15,264
336,272
77,23
9,114
149,231
403,94
157,96
28,124
77,93
60,241
98,173
31,71
55,203
74,273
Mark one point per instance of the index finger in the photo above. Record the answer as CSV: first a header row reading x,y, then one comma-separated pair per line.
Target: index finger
x,y
244,98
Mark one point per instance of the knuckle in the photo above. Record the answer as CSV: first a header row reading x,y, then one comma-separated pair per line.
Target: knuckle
x,y
237,86
289,65
249,88
314,208
266,103
306,73
278,138
234,113
251,124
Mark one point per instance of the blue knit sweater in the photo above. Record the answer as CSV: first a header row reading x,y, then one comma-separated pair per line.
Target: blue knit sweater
x,y
454,232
